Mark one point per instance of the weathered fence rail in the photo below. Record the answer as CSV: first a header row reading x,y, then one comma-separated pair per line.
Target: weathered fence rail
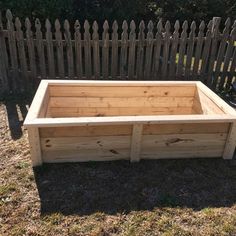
x,y
30,52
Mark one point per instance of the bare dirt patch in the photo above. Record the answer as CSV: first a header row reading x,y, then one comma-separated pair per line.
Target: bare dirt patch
x,y
166,197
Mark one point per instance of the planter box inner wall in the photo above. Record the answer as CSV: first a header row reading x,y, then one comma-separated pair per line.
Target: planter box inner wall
x,y
110,120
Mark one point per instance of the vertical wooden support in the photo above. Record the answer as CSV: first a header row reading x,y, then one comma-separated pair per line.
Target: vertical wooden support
x,y
114,53
132,43
35,149
123,50
230,142
136,142
87,50
105,51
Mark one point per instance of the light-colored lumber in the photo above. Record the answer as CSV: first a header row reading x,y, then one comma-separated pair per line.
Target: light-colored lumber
x,y
229,149
136,142
35,149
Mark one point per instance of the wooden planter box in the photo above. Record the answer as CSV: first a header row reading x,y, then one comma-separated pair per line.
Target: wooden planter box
x,y
72,121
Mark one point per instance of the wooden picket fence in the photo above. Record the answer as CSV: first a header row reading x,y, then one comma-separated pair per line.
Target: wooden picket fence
x,y
31,52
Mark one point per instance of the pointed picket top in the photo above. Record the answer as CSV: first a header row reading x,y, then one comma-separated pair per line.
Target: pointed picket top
x,y
95,27
159,26
67,25
234,24
77,26
17,23
193,26
177,26
132,26
27,24
37,24
227,23
9,15
57,25
114,26
86,26
202,26
185,26
141,26
124,26
105,26
48,25
167,26
209,25
233,31
150,26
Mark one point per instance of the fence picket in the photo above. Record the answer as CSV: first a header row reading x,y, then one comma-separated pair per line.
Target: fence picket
x,y
228,55
132,43
123,54
190,48
114,52
12,50
214,46
96,57
40,48
50,51
87,50
200,39
174,47
166,49
78,50
59,48
231,71
221,52
157,50
140,50
149,51
206,51
69,51
21,53
31,50
105,51
182,49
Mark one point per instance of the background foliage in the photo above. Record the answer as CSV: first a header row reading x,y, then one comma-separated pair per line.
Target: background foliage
x,y
121,9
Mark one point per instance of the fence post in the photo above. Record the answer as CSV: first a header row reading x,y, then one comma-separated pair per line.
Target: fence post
x,y
4,86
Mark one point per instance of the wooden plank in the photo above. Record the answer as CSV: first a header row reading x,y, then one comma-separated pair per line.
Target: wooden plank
x,y
114,50
221,53
206,51
157,50
214,46
140,51
121,102
31,51
50,50
190,48
230,145
96,54
182,49
197,106
231,71
105,51
85,155
123,53
35,149
136,142
86,131
69,50
132,51
121,91
22,57
12,50
40,48
149,51
185,128
228,54
86,143
87,50
78,50
118,111
173,53
166,49
198,51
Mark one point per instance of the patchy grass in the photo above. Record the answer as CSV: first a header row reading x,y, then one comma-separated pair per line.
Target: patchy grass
x,y
164,197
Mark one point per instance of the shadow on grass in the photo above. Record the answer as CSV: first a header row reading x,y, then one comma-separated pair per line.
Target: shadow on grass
x,y
112,187
16,110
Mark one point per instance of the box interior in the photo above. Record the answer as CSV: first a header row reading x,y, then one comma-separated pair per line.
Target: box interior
x,y
100,101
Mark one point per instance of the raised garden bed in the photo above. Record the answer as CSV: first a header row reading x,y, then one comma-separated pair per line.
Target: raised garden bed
x,y
72,121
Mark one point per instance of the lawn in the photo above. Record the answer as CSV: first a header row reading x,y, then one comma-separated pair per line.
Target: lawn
x,y
163,197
